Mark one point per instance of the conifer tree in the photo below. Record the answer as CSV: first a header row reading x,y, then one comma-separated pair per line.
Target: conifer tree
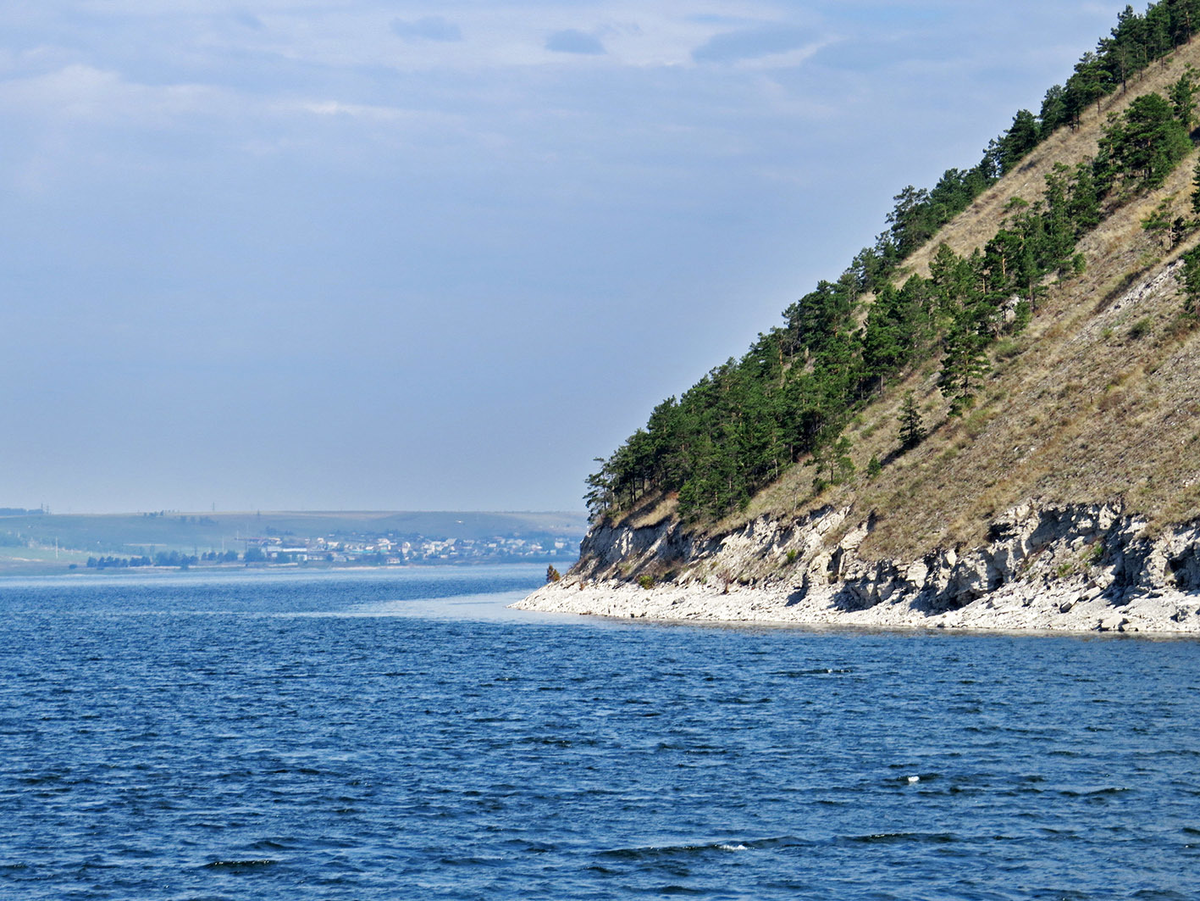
x,y
1148,141
912,429
964,361
1183,98
1191,282
1084,199
833,463
1054,109
1020,138
1196,188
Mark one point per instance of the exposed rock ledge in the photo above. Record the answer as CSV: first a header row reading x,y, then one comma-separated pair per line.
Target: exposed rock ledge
x,y
1078,568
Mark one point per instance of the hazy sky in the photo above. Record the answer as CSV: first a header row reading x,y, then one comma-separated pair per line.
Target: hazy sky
x,y
317,254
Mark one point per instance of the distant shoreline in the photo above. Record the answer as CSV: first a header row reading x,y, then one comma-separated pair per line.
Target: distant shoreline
x,y
12,569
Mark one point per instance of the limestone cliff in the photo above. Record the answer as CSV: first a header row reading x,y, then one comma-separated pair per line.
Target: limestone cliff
x,y
1074,567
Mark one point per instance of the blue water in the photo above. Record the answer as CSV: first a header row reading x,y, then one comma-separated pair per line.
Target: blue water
x,y
402,735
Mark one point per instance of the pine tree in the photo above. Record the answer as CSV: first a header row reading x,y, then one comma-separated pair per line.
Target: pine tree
x,y
1020,138
1148,141
1085,86
1054,109
964,362
1196,189
912,429
1191,282
1084,202
1183,98
833,463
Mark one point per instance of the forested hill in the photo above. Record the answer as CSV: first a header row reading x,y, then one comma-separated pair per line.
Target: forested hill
x,y
1025,329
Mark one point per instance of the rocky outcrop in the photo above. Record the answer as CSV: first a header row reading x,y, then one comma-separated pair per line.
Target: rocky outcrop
x,y
1096,555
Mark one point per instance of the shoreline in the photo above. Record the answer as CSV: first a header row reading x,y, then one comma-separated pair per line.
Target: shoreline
x,y
34,569
1065,608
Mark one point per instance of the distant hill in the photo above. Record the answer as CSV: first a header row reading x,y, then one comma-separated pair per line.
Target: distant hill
x,y
148,533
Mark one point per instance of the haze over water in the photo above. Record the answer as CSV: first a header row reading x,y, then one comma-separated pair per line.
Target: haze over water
x,y
402,734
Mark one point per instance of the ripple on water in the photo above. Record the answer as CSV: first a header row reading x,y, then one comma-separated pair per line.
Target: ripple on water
x,y
206,739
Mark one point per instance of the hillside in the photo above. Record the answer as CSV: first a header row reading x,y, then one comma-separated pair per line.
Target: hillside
x,y
1082,408
1095,401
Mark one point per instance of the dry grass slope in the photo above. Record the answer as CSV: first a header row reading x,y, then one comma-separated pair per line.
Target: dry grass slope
x,y
1099,400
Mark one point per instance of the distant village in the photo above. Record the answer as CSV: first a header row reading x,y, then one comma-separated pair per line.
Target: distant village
x,y
382,550
358,550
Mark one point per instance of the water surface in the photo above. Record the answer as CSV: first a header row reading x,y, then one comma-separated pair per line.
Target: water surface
x,y
403,735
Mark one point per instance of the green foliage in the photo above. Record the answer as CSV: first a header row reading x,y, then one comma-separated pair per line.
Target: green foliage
x,y
1147,141
874,467
182,560
1191,282
972,293
897,328
1183,98
1196,188
1135,42
1179,229
1022,316
552,574
1054,108
1140,329
964,363
912,426
833,464
646,581
1016,143
1159,222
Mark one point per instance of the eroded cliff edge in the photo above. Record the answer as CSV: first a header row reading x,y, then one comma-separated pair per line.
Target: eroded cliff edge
x,y
1072,568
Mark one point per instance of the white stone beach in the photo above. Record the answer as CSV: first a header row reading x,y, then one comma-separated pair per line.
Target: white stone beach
x,y
1015,608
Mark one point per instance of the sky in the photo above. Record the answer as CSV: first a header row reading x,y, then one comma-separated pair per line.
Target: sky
x,y
349,254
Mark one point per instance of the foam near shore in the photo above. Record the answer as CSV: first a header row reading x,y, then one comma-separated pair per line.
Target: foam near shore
x,y
1016,608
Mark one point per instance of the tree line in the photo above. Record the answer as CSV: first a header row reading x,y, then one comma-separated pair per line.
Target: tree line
x,y
792,394
162,558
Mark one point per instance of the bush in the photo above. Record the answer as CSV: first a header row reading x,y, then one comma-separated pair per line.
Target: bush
x,y
646,581
1191,281
874,468
1140,329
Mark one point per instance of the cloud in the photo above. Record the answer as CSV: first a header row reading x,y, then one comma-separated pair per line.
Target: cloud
x,y
430,28
249,20
572,41
83,93
750,43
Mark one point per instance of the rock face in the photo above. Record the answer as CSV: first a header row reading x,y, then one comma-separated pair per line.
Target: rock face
x,y
1094,555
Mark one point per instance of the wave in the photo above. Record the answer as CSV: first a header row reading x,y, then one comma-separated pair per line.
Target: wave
x,y
240,864
651,852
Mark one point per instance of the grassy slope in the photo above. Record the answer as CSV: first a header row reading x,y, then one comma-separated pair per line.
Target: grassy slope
x,y
1084,407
